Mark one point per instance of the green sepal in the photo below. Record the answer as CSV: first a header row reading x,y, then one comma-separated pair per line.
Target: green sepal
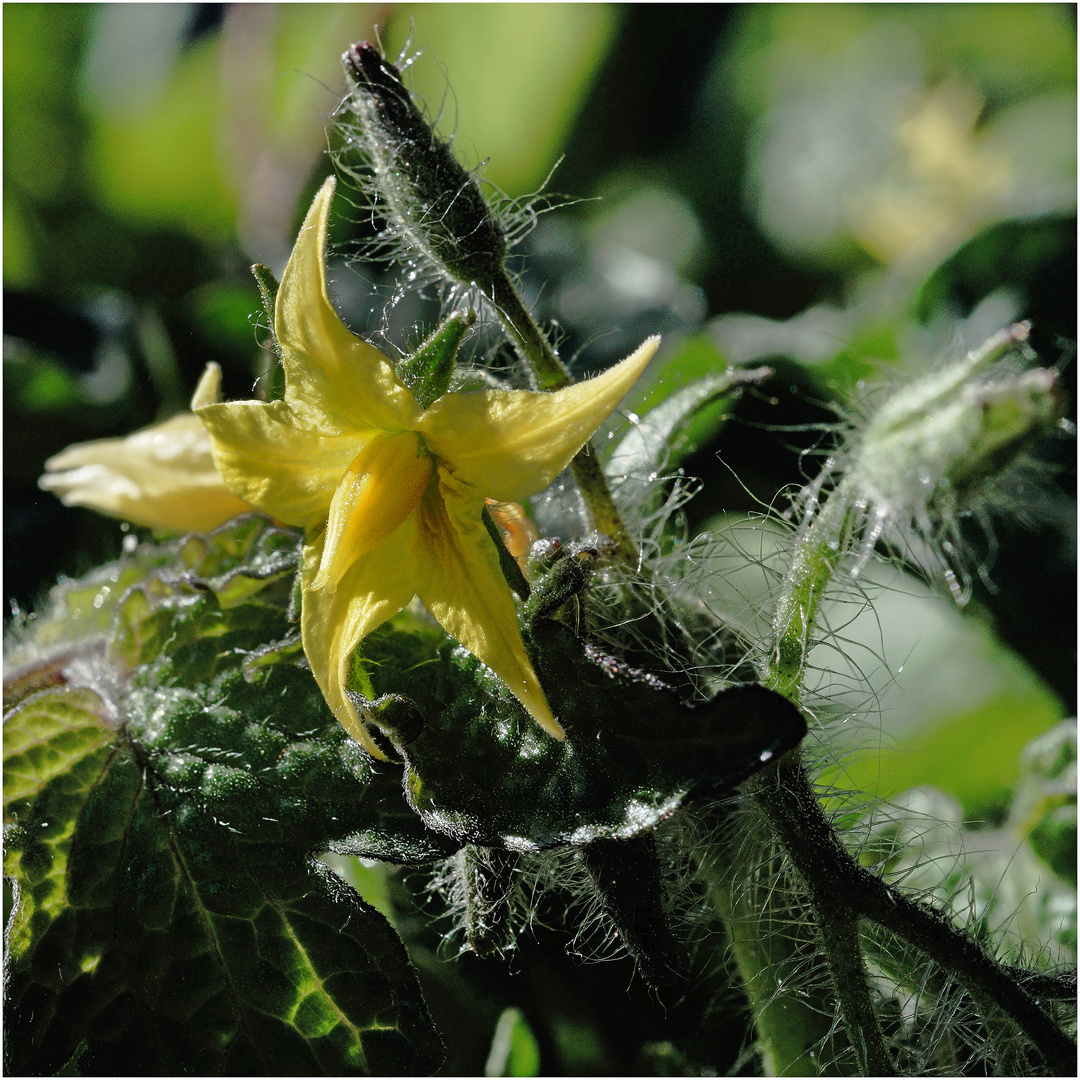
x,y
507,563
675,429
272,385
268,289
626,876
427,372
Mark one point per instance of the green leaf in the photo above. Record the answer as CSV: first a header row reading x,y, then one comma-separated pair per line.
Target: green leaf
x,y
480,770
1044,803
514,1049
56,745
190,947
171,916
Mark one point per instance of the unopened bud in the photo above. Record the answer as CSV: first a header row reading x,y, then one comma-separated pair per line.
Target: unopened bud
x,y
429,198
932,451
1014,412
944,436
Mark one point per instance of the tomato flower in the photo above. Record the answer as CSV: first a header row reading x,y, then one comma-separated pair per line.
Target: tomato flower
x,y
391,494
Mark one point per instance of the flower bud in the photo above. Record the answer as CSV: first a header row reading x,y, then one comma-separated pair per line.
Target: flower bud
x,y
431,201
934,445
933,451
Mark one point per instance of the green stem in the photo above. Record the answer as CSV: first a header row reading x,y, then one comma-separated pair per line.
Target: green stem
x,y
965,959
792,808
767,935
488,877
839,929
817,552
526,334
550,374
793,812
841,891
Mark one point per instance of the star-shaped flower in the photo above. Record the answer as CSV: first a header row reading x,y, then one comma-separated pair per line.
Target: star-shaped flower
x,y
391,494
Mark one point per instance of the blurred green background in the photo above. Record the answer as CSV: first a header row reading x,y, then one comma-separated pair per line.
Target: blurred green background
x,y
837,190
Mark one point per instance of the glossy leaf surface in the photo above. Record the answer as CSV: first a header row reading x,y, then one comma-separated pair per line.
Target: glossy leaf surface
x,y
171,915
480,772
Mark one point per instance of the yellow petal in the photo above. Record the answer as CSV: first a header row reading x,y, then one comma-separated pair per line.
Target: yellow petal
x,y
461,584
512,444
208,391
333,623
162,477
283,470
334,381
379,490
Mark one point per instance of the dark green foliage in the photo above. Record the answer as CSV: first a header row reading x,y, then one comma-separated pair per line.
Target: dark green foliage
x,y
479,769
171,915
626,874
171,769
163,816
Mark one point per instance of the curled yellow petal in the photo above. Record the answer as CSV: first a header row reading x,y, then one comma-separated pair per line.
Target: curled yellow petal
x,y
510,444
378,491
334,381
334,622
208,390
162,477
392,495
462,585
284,470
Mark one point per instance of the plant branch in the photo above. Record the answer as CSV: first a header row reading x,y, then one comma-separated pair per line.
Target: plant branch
x,y
766,933
839,927
789,803
817,551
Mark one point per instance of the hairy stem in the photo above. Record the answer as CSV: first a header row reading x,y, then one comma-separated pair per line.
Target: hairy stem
x,y
824,864
528,338
766,933
815,850
839,928
817,551
964,958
